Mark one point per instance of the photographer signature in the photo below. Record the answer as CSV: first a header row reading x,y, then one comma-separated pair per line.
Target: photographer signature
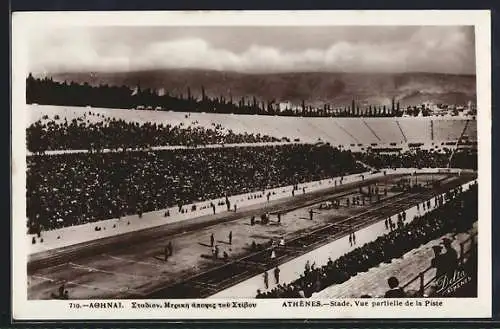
x,y
446,285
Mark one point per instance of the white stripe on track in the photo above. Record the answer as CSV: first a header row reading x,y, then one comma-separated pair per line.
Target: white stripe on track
x,y
93,269
132,261
88,286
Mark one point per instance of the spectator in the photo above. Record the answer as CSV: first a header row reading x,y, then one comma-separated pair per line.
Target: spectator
x,y
395,291
450,258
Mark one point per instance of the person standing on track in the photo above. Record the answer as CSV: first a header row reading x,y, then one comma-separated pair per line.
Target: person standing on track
x,y
212,240
273,254
266,280
230,237
354,238
61,290
277,275
165,252
311,212
350,239
216,251
170,248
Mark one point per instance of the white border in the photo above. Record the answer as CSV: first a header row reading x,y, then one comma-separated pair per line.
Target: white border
x,y
23,23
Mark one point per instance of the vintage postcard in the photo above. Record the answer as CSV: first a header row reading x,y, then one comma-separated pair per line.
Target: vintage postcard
x,y
251,165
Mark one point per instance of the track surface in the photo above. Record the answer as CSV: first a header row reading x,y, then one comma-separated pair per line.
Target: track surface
x,y
62,255
129,266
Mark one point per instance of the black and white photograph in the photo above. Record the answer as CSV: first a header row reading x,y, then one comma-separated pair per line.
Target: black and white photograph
x,y
270,164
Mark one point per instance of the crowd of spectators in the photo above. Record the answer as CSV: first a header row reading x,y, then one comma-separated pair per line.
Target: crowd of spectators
x,y
462,158
111,133
456,215
70,189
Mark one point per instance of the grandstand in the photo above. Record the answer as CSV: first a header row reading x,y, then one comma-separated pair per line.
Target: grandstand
x,y
386,131
416,130
308,180
352,133
448,130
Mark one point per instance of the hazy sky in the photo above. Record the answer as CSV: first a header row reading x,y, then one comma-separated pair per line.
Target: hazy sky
x,y
441,49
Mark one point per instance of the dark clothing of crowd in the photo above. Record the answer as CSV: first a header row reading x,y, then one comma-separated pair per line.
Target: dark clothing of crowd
x,y
71,189
457,215
462,158
395,293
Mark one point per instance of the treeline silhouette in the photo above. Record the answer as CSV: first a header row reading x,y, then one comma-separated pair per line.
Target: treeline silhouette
x,y
46,91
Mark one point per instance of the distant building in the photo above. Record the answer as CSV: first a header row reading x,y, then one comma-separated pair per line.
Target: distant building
x,y
283,106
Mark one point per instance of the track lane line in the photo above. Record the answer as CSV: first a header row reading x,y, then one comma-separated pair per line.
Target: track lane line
x,y
133,261
93,269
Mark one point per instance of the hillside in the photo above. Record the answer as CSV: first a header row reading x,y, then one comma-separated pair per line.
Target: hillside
x,y
314,87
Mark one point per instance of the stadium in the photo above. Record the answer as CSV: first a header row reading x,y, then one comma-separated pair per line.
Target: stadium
x,y
314,161
128,203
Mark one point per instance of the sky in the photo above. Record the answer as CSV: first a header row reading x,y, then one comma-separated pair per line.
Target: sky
x,y
389,49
